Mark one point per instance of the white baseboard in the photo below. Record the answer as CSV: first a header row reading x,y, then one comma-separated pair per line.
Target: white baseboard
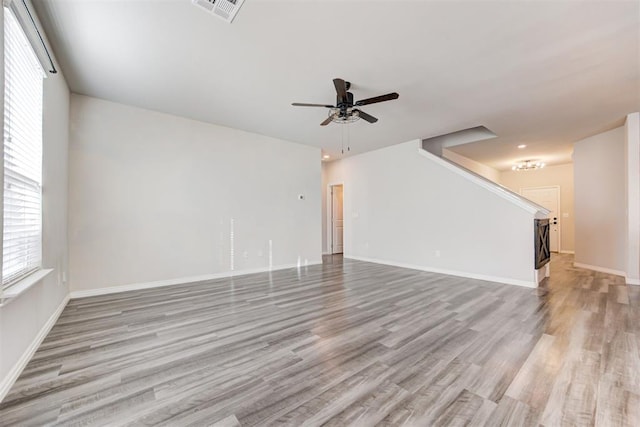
x,y
7,382
567,252
181,281
632,281
598,268
627,280
505,280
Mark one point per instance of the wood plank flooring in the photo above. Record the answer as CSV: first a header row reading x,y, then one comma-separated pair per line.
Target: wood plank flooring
x,y
345,343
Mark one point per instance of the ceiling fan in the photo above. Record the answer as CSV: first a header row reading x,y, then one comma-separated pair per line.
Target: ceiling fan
x,y
344,111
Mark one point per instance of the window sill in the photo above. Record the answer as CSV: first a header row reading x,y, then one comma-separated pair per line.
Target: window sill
x,y
18,288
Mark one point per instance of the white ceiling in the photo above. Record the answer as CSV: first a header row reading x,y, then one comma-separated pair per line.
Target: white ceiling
x,y
540,73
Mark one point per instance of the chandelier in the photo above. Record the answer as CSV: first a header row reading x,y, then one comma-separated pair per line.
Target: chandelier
x,y
528,165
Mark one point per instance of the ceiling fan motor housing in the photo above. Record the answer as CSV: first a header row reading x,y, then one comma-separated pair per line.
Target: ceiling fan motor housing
x,y
343,105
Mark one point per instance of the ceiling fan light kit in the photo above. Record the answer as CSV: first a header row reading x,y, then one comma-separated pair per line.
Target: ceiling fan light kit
x,y
344,112
351,116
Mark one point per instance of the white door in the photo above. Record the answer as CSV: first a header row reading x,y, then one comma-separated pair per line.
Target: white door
x,y
336,219
549,197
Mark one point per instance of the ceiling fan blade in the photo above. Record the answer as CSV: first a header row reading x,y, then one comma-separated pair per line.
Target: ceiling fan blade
x,y
381,98
327,120
367,117
302,104
341,89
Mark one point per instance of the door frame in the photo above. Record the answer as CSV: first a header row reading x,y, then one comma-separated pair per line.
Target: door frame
x,y
557,187
330,216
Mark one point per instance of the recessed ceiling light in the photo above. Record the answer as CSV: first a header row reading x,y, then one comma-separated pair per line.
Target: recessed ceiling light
x,y
326,156
522,146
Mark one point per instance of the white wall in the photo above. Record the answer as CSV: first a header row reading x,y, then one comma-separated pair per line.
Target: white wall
x,y
600,201
323,206
401,208
560,175
153,196
632,154
477,167
23,318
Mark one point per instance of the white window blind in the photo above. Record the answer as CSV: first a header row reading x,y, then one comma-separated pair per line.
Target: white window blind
x,y
22,225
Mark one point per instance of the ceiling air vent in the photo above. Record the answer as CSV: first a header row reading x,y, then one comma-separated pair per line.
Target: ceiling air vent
x,y
225,9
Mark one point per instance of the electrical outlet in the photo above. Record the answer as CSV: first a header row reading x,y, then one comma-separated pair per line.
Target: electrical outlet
x,y
438,254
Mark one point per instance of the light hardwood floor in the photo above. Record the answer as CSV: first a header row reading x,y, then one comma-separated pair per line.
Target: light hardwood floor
x,y
346,343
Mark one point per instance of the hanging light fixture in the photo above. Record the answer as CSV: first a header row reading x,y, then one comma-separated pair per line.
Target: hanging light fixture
x,y
528,165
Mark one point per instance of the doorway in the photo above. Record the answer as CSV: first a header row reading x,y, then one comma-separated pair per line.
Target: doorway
x,y
337,221
549,197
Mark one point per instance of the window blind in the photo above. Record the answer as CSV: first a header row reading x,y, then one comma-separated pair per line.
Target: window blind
x,y
22,196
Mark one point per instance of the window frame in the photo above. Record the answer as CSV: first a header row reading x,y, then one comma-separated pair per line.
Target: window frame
x,y
30,269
